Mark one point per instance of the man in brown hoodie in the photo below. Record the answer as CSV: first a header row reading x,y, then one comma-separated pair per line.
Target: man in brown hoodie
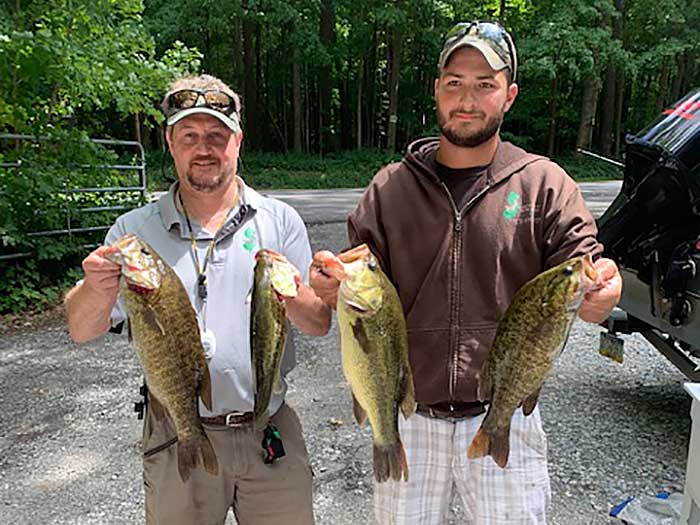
x,y
459,225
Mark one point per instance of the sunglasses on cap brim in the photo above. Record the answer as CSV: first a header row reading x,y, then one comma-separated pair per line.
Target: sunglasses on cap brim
x,y
209,98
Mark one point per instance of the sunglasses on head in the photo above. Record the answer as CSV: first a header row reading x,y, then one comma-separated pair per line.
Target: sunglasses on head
x,y
209,98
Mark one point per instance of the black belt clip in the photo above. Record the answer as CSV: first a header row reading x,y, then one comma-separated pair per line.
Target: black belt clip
x,y
140,406
272,444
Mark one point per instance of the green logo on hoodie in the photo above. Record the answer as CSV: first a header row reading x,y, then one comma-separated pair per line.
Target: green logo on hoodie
x,y
513,206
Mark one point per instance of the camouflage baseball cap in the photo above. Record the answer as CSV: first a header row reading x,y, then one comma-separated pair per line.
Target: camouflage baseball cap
x,y
202,94
489,38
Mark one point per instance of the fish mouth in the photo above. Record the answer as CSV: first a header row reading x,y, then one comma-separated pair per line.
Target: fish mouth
x,y
266,253
356,307
328,264
354,254
140,290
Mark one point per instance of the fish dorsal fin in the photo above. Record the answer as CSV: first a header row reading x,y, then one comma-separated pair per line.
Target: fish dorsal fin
x,y
358,330
530,402
358,411
156,407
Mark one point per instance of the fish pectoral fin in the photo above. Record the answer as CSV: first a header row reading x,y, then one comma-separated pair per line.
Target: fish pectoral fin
x,y
408,393
358,411
530,402
157,409
151,318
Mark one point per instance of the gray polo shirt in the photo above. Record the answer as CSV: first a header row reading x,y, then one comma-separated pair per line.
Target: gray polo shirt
x,y
256,222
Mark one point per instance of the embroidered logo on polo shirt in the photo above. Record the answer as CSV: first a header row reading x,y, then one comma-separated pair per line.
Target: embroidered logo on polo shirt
x,y
513,207
248,239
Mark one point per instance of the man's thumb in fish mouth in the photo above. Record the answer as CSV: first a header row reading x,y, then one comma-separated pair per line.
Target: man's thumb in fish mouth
x,y
598,303
607,269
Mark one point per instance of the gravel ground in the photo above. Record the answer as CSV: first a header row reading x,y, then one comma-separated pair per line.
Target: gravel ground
x,y
69,442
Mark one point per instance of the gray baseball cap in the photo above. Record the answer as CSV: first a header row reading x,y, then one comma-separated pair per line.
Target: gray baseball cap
x,y
489,38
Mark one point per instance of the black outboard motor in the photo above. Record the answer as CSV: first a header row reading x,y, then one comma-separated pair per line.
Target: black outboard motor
x,y
652,229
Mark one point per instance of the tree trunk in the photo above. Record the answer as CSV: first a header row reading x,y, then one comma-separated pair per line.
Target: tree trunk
x,y
360,79
678,78
607,116
394,88
296,98
551,141
137,128
619,109
346,110
589,103
371,91
307,111
502,12
236,49
327,35
250,101
662,95
689,77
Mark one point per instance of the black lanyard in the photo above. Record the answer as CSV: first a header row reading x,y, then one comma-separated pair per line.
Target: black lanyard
x,y
202,269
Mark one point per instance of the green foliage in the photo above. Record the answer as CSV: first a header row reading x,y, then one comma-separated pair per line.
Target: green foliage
x,y
31,285
62,58
68,70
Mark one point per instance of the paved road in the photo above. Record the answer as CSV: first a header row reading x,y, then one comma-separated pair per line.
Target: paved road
x,y
325,206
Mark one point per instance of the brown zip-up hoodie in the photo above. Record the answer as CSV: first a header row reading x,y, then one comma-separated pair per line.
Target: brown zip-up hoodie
x,y
456,271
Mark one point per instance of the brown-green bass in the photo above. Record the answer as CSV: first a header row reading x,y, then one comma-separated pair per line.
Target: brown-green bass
x,y
275,279
529,337
166,337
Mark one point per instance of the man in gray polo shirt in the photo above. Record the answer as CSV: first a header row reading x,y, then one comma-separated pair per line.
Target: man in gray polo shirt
x,y
208,228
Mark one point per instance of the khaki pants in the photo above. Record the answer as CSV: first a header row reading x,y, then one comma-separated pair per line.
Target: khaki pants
x,y
259,494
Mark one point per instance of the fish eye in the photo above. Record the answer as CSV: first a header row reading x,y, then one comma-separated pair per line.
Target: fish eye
x,y
144,251
568,271
372,264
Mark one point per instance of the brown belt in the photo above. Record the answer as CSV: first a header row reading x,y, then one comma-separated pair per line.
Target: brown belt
x,y
232,419
452,410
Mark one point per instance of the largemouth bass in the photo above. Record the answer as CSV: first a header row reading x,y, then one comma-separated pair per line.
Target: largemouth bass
x,y
374,351
529,338
166,337
275,279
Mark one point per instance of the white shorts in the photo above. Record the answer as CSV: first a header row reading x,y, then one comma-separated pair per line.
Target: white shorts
x,y
436,451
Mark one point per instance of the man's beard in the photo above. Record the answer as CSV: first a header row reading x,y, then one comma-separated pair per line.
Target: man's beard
x,y
470,139
208,184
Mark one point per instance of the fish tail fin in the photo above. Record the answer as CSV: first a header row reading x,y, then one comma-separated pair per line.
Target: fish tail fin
x,y
497,445
188,452
390,462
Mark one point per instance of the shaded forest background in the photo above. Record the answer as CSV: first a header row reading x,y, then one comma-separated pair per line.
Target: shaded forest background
x,y
321,76
331,90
